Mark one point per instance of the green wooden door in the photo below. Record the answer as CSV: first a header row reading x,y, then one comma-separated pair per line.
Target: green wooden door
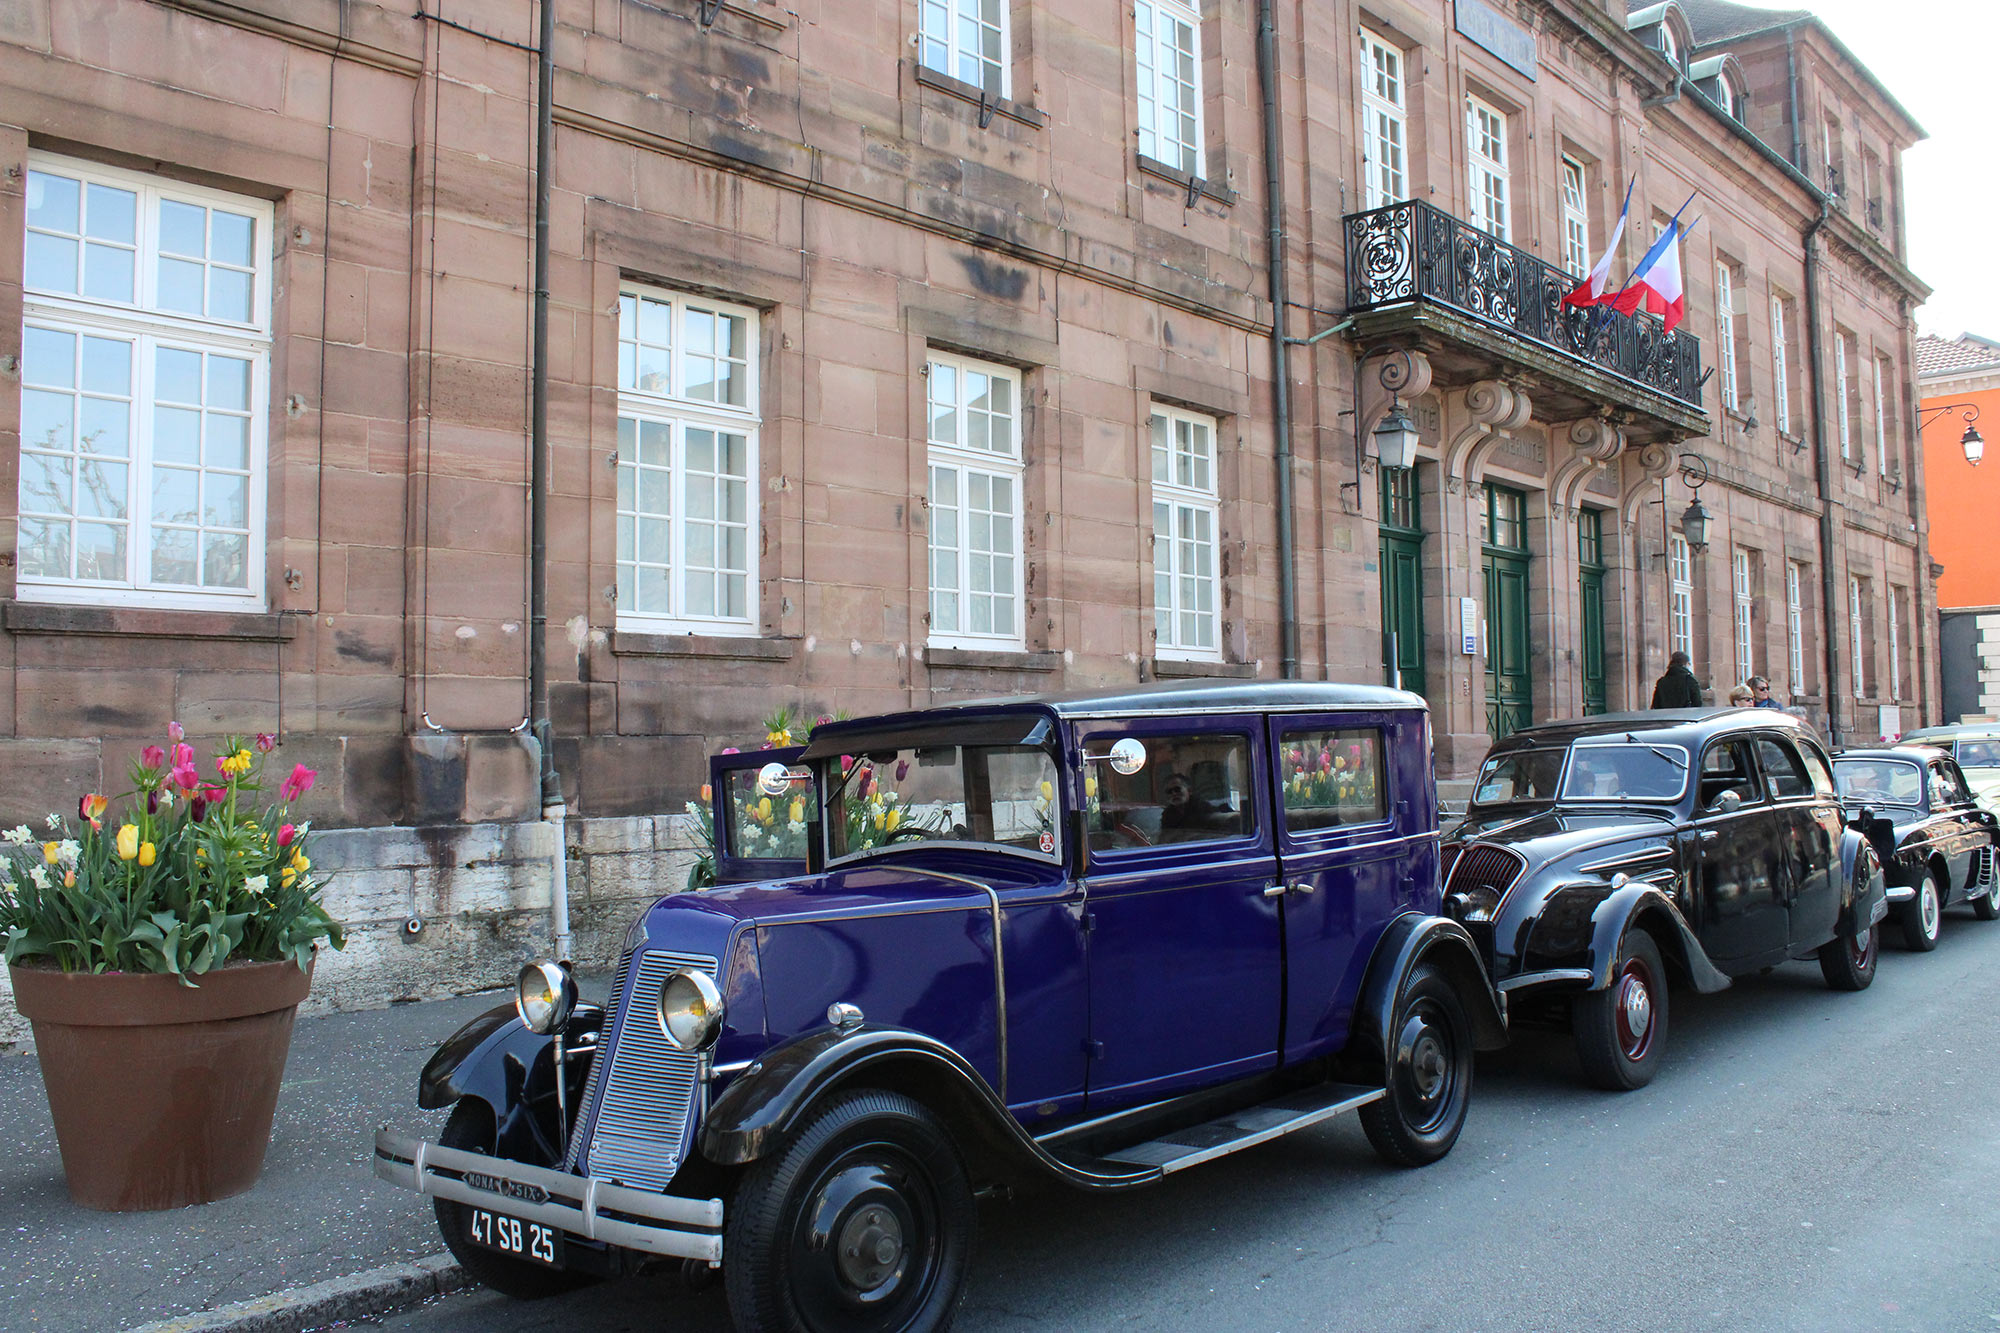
x,y
1504,535
1402,581
1590,594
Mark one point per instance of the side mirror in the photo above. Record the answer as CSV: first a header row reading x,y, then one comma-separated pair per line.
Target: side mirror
x,y
1726,802
1126,757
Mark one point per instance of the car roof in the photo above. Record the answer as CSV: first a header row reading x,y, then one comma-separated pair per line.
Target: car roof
x,y
1915,754
1683,726
1956,731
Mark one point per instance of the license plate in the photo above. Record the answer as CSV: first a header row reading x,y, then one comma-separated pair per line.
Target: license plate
x,y
524,1240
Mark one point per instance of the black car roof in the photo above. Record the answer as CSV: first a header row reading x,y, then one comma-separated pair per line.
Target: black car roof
x,y
1683,726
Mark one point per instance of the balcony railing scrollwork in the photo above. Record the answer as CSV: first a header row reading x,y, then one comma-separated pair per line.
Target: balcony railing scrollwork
x,y
1413,251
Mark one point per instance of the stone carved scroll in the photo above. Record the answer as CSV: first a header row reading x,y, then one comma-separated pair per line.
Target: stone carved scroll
x,y
1492,408
1655,461
1387,377
1593,443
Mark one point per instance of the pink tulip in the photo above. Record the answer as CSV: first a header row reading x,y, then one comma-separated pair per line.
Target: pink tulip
x,y
266,742
185,777
299,783
730,749
214,794
183,756
174,732
153,756
286,834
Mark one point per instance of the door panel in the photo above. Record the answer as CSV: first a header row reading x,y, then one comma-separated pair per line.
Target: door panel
x,y
1591,592
1508,692
1403,612
1186,968
1742,857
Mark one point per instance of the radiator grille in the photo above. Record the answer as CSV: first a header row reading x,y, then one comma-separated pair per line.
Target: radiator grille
x,y
597,1063
1482,866
649,1086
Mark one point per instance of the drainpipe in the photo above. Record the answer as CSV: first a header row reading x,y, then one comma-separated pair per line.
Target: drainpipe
x,y
1828,529
1792,86
553,810
1281,395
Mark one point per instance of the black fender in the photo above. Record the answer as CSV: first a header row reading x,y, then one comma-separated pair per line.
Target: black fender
x,y
1858,857
1410,939
1642,904
781,1090
495,1059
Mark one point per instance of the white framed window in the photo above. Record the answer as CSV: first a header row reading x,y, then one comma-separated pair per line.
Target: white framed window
x,y
1384,122
968,40
687,463
145,384
1186,580
1857,648
1895,643
1795,625
1169,54
1781,380
1680,595
976,471
1881,417
1725,320
1746,648
1842,391
1575,220
1486,165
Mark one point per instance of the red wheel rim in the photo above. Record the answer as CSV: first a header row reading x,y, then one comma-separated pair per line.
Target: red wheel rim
x,y
1632,1002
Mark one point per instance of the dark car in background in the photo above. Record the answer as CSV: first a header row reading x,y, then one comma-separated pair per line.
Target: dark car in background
x,y
1602,858
1089,940
1936,841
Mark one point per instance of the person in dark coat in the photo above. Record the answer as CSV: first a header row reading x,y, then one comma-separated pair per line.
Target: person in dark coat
x,y
1678,688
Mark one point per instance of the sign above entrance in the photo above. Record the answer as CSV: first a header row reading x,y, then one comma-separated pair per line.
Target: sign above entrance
x,y
1496,32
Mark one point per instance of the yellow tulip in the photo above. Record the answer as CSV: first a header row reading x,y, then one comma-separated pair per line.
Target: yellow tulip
x,y
288,876
798,811
895,818
764,808
50,851
1048,791
147,853
128,841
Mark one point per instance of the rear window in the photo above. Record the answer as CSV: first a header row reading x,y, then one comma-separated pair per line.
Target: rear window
x,y
1979,754
1519,775
1333,779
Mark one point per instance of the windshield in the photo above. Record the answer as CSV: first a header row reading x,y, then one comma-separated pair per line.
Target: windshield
x,y
988,795
1978,754
1880,781
1519,775
1625,771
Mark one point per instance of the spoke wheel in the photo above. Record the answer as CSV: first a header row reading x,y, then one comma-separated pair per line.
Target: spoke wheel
x,y
1429,1074
1922,917
1621,1029
862,1224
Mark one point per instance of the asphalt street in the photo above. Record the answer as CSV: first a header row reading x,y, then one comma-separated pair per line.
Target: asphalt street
x,y
1806,1160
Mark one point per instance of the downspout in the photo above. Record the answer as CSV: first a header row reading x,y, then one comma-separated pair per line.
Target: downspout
x,y
1792,87
553,810
1281,396
1828,532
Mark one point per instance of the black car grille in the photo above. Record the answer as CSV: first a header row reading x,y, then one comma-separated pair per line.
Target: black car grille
x,y
1480,866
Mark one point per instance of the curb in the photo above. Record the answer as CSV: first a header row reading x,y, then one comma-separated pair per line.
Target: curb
x,y
380,1291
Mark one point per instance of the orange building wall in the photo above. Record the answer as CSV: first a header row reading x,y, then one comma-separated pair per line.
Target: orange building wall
x,y
1964,502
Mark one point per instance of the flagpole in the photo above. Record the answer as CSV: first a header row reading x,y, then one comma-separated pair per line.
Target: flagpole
x,y
1636,273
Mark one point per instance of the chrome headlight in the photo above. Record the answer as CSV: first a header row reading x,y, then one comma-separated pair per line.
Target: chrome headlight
x,y
690,1010
545,996
1472,905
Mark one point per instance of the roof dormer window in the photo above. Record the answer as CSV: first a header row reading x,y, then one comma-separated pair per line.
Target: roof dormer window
x,y
1670,45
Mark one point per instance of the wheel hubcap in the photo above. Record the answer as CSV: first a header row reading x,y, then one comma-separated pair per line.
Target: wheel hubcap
x,y
865,1252
1929,910
1862,947
1425,1079
870,1247
1633,1001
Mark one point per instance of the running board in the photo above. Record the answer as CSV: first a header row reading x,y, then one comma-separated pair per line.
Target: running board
x,y
1228,1134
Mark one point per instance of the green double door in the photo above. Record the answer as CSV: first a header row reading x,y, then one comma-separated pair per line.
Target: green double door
x,y
1402,559
1590,603
1504,561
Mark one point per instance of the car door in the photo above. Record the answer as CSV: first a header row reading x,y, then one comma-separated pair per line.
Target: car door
x,y
1809,825
1959,833
1356,846
1739,855
1185,957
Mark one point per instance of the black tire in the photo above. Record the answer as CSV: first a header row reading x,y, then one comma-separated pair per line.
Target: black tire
x,y
1429,1074
470,1127
1987,905
863,1223
1621,1030
1923,917
1848,961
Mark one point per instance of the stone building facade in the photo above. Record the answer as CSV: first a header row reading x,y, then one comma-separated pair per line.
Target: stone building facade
x,y
909,351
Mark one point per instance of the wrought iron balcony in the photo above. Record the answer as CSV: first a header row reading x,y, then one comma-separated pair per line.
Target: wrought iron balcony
x,y
1413,254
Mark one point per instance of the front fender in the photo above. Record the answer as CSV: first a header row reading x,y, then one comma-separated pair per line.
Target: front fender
x,y
1869,902
495,1059
1410,939
1646,906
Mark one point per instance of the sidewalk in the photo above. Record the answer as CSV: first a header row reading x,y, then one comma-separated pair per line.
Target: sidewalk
x,y
318,1212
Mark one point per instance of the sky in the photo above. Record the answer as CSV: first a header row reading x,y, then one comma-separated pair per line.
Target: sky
x,y
1937,58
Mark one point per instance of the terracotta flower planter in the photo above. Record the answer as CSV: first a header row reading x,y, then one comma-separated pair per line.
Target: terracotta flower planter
x,y
162,1094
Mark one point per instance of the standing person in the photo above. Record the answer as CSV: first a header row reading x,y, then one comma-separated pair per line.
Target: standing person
x,y
1677,688
1760,694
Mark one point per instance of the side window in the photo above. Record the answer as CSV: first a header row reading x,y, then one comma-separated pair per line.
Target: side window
x,y
1726,767
1947,788
1192,788
1979,754
1332,779
1821,774
1784,773
764,827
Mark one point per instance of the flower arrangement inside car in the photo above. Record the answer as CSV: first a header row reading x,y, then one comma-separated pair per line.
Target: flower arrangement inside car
x,y
1087,940
159,945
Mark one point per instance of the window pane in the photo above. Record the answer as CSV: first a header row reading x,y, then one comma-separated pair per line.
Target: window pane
x,y
53,202
51,263
180,286
48,420
101,490
228,383
1333,778
230,237
108,273
227,443
1193,788
228,294
177,376
176,435
183,229
45,485
44,549
175,494
225,501
100,552
107,365
49,358
223,560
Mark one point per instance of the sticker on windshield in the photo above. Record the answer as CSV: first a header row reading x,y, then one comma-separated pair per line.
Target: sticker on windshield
x,y
1048,842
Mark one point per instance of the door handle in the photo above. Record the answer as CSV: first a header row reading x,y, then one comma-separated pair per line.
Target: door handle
x,y
1298,886
1274,890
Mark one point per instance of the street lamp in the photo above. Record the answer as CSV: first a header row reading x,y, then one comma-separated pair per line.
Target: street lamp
x,y
1972,441
1694,522
1396,438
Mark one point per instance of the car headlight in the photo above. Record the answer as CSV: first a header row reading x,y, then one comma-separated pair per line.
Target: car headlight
x,y
690,1010
1472,905
545,996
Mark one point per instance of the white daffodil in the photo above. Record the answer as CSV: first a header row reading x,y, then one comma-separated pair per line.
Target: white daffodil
x,y
257,884
55,823
39,874
67,852
20,835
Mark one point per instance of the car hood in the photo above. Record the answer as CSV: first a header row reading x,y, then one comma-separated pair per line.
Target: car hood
x,y
1550,835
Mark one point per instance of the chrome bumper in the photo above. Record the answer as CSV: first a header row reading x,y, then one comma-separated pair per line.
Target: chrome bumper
x,y
663,1224
1902,893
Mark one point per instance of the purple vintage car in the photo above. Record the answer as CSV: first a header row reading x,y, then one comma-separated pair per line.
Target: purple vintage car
x,y
1092,939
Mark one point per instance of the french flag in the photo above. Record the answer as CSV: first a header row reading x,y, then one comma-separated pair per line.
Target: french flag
x,y
1591,290
1657,280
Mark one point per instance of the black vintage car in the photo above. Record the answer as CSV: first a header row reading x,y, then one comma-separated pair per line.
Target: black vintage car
x,y
1601,858
1935,841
